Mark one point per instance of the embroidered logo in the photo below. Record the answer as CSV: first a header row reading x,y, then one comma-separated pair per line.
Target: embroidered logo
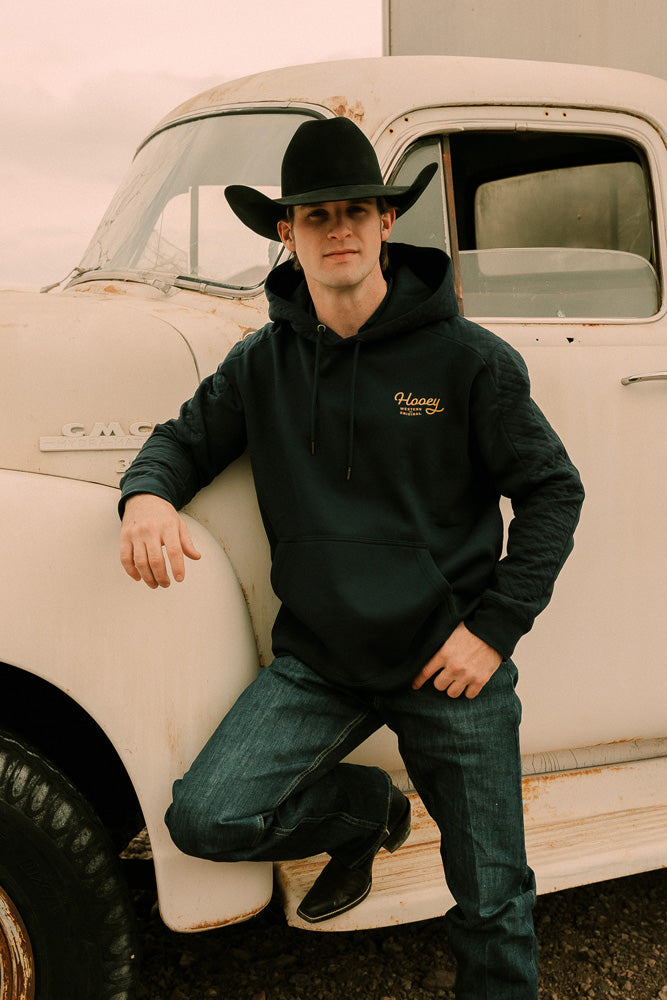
x,y
417,406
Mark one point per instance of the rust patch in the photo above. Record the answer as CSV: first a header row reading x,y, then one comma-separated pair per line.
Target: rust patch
x,y
114,290
211,925
615,743
343,109
534,784
173,736
17,964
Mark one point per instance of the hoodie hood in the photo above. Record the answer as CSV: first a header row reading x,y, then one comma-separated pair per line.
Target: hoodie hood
x,y
421,291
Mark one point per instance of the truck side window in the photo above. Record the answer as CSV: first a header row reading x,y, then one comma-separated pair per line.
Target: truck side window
x,y
553,225
424,224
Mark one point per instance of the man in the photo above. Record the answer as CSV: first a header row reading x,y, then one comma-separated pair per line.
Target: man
x,y
382,429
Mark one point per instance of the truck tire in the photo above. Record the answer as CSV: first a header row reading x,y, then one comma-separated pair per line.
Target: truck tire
x,y
66,920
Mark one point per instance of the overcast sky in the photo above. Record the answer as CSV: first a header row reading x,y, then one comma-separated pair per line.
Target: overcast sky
x,y
81,85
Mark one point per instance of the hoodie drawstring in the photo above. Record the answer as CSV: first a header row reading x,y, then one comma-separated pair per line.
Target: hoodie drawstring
x,y
316,379
313,405
353,386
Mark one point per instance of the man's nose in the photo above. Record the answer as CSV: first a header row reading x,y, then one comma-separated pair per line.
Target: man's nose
x,y
339,227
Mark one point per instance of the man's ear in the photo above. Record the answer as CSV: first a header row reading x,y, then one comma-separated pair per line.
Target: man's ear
x,y
387,220
285,234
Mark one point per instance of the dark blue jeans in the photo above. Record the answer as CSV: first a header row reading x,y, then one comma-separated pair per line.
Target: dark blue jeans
x,y
270,785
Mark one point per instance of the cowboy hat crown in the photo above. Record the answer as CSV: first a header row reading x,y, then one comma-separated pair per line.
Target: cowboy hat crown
x,y
326,160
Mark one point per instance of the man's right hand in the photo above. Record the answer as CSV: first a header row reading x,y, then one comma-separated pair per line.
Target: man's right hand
x,y
152,526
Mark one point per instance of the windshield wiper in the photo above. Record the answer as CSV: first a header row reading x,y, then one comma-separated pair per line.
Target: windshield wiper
x,y
193,284
74,273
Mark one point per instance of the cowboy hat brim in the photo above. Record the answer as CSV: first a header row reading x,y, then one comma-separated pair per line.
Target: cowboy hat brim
x,y
262,214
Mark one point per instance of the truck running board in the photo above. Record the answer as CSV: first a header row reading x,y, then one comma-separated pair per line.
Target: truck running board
x,y
568,841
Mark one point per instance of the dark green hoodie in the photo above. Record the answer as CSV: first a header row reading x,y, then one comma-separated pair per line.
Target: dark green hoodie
x,y
378,462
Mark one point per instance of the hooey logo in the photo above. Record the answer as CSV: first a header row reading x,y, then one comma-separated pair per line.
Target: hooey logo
x,y
410,405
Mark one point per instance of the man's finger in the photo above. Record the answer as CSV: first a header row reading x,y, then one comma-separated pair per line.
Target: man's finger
x,y
151,567
188,546
174,551
127,560
135,562
177,545
452,688
432,667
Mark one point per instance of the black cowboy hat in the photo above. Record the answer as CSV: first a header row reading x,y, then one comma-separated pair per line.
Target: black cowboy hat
x,y
326,160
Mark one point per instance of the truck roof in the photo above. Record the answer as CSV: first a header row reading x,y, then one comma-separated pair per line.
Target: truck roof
x,y
373,92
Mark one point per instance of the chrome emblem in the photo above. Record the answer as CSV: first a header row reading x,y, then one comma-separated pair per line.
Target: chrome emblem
x,y
101,437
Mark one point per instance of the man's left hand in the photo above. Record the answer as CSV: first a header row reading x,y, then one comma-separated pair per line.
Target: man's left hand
x,y
463,663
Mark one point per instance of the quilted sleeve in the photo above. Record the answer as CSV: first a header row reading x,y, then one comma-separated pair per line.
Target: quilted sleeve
x,y
526,461
183,455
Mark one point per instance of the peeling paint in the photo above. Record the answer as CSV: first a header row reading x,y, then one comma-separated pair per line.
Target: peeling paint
x,y
344,109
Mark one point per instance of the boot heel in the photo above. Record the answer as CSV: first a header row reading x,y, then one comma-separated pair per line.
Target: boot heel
x,y
400,833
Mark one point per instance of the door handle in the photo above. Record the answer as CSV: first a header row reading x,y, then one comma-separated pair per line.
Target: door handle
x,y
649,377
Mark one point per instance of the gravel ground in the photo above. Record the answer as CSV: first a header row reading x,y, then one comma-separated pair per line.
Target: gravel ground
x,y
605,940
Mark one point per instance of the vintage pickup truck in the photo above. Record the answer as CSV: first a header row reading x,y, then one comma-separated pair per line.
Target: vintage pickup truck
x,y
551,198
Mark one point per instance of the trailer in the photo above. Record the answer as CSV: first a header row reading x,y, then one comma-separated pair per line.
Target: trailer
x,y
601,33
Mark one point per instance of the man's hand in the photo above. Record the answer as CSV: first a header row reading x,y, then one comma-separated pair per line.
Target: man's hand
x,y
464,663
149,523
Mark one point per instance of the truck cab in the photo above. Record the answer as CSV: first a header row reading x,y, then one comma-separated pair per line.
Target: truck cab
x,y
550,197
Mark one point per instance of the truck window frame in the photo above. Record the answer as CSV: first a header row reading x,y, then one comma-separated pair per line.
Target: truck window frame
x,y
447,126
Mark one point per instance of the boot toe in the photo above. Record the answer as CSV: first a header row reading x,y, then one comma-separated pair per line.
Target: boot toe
x,y
336,890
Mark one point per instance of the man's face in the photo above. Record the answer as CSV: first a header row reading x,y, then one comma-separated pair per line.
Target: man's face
x,y
338,242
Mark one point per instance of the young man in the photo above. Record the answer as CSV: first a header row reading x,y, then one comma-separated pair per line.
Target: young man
x,y
382,429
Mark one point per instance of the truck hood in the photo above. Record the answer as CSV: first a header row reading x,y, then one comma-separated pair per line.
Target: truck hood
x,y
85,379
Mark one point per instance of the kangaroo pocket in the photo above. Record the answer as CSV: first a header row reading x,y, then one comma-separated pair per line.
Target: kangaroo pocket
x,y
354,609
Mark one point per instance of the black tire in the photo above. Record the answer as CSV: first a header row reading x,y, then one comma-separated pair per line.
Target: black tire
x,y
61,880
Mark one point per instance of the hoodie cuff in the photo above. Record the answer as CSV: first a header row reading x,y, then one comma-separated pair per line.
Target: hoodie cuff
x,y
497,626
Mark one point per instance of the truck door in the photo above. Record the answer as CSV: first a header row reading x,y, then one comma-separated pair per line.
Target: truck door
x,y
555,221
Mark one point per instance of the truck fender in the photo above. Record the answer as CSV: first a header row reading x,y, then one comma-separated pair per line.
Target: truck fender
x,y
155,669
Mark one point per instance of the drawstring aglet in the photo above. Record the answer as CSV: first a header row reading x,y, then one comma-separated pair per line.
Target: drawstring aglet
x,y
349,472
312,447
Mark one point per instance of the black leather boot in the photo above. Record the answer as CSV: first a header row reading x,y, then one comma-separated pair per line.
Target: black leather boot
x,y
339,888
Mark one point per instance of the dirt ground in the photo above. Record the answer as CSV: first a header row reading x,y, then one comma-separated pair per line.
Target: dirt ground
x,y
604,940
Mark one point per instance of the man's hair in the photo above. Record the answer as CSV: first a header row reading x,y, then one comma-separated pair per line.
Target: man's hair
x,y
382,206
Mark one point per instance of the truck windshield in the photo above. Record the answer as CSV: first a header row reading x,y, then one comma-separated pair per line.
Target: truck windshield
x,y
170,217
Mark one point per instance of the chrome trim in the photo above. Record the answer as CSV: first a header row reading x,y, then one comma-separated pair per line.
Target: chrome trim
x,y
649,377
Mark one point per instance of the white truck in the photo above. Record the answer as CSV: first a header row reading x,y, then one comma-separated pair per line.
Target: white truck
x,y
551,198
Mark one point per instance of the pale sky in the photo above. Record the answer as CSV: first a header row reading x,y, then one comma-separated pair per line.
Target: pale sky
x,y
82,84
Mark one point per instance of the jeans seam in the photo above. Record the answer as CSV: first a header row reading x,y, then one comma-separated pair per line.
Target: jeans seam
x,y
260,832
282,831
320,757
